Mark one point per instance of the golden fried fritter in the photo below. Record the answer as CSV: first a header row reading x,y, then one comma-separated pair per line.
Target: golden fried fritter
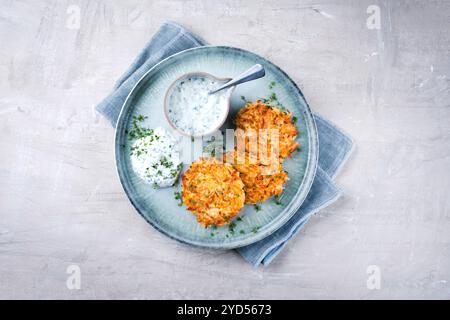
x,y
260,181
258,115
213,191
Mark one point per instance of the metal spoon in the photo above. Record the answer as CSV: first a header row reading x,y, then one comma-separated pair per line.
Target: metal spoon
x,y
255,72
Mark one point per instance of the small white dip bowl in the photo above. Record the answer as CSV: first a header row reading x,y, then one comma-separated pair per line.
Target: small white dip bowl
x,y
176,86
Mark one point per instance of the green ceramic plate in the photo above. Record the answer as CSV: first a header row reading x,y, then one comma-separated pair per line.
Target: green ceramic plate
x,y
158,206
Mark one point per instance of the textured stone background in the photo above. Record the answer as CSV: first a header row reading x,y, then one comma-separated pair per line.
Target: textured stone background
x,y
61,202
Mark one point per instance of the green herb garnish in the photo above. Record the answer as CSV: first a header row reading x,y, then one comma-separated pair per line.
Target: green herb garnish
x,y
272,84
178,196
137,131
231,227
255,229
165,162
277,199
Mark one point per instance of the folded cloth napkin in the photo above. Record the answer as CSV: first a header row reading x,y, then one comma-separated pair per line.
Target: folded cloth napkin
x,y
334,145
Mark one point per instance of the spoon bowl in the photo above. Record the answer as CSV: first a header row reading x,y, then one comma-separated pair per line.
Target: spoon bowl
x,y
255,72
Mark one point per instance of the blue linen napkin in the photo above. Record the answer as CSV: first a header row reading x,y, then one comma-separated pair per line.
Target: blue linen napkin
x,y
334,145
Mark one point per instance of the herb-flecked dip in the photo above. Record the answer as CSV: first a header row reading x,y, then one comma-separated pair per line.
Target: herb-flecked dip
x,y
155,157
193,110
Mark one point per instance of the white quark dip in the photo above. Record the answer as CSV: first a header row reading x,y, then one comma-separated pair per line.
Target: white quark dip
x,y
193,110
156,158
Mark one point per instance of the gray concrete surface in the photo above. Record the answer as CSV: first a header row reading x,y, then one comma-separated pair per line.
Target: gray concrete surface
x,y
61,203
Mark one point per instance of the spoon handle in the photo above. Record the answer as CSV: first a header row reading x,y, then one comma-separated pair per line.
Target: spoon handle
x,y
255,72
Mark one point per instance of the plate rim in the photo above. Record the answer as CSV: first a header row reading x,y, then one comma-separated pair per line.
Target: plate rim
x,y
290,209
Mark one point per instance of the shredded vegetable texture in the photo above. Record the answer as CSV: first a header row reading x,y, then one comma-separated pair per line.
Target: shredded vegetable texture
x,y
216,191
263,178
260,181
213,191
259,115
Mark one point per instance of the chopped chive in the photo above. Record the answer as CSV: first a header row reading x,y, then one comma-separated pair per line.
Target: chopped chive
x,y
272,84
277,199
231,227
255,229
178,196
137,131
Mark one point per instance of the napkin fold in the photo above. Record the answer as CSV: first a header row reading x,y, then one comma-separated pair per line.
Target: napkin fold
x,y
334,145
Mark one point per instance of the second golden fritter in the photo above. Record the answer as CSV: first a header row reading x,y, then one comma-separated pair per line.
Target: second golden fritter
x,y
213,191
260,181
258,115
